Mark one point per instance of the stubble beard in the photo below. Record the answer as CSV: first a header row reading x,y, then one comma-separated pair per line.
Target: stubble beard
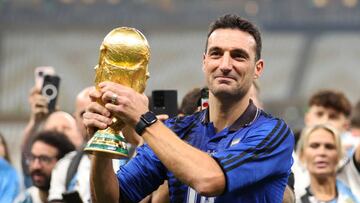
x,y
230,94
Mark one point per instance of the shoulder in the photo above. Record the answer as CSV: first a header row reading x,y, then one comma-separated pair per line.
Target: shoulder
x,y
269,126
345,193
182,123
6,167
64,162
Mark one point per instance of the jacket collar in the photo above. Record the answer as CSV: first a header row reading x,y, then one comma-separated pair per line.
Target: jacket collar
x,y
245,119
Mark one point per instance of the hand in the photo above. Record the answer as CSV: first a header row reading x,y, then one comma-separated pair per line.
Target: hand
x,y
96,116
39,105
128,105
162,117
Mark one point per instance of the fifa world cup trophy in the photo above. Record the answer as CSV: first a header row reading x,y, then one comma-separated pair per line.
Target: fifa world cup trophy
x,y
124,58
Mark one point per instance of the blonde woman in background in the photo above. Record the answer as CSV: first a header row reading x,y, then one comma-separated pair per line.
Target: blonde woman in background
x,y
320,151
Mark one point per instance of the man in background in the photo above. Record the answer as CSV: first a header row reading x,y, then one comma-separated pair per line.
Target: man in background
x,y
46,149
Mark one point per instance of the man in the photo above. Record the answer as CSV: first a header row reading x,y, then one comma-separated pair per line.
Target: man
x,y
334,108
232,152
46,149
64,122
75,164
329,106
41,119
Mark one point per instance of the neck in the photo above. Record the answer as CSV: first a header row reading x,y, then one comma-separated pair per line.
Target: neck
x,y
225,113
324,189
43,195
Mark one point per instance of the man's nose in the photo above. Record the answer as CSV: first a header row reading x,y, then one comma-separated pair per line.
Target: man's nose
x,y
35,164
225,64
323,119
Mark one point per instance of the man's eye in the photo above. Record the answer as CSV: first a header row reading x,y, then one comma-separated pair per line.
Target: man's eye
x,y
214,53
334,116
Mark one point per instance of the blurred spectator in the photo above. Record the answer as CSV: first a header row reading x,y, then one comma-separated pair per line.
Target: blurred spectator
x,y
46,149
63,122
71,173
325,107
334,108
9,180
191,102
320,150
38,114
329,106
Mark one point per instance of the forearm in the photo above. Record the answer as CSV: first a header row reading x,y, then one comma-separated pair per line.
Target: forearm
x,y
192,166
103,181
28,133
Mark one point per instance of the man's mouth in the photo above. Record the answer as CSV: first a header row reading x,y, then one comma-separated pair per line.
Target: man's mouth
x,y
224,78
37,176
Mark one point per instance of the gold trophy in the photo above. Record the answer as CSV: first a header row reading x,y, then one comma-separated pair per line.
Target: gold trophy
x,y
124,58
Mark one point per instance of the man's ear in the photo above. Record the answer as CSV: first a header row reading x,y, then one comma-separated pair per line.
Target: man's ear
x,y
259,67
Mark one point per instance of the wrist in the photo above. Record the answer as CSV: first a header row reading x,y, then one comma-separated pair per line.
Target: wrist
x,y
146,120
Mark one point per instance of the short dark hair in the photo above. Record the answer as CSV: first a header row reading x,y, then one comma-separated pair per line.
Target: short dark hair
x,y
57,140
355,116
191,102
232,21
331,99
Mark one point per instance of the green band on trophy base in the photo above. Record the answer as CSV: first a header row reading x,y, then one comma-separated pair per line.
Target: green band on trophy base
x,y
105,142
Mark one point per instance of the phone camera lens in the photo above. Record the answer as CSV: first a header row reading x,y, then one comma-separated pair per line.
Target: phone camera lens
x,y
49,92
41,73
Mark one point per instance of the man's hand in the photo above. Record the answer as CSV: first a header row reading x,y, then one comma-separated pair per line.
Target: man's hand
x,y
96,116
39,106
123,102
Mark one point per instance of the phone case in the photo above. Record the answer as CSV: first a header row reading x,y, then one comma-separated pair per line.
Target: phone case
x,y
50,89
39,74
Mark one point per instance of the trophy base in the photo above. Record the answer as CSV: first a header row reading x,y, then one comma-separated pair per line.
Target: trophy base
x,y
108,145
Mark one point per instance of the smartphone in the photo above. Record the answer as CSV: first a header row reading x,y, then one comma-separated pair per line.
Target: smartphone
x,y
164,102
72,197
39,74
50,89
204,98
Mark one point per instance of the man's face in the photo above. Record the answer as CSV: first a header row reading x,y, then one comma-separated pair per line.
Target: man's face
x,y
41,162
229,63
321,115
82,101
321,153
